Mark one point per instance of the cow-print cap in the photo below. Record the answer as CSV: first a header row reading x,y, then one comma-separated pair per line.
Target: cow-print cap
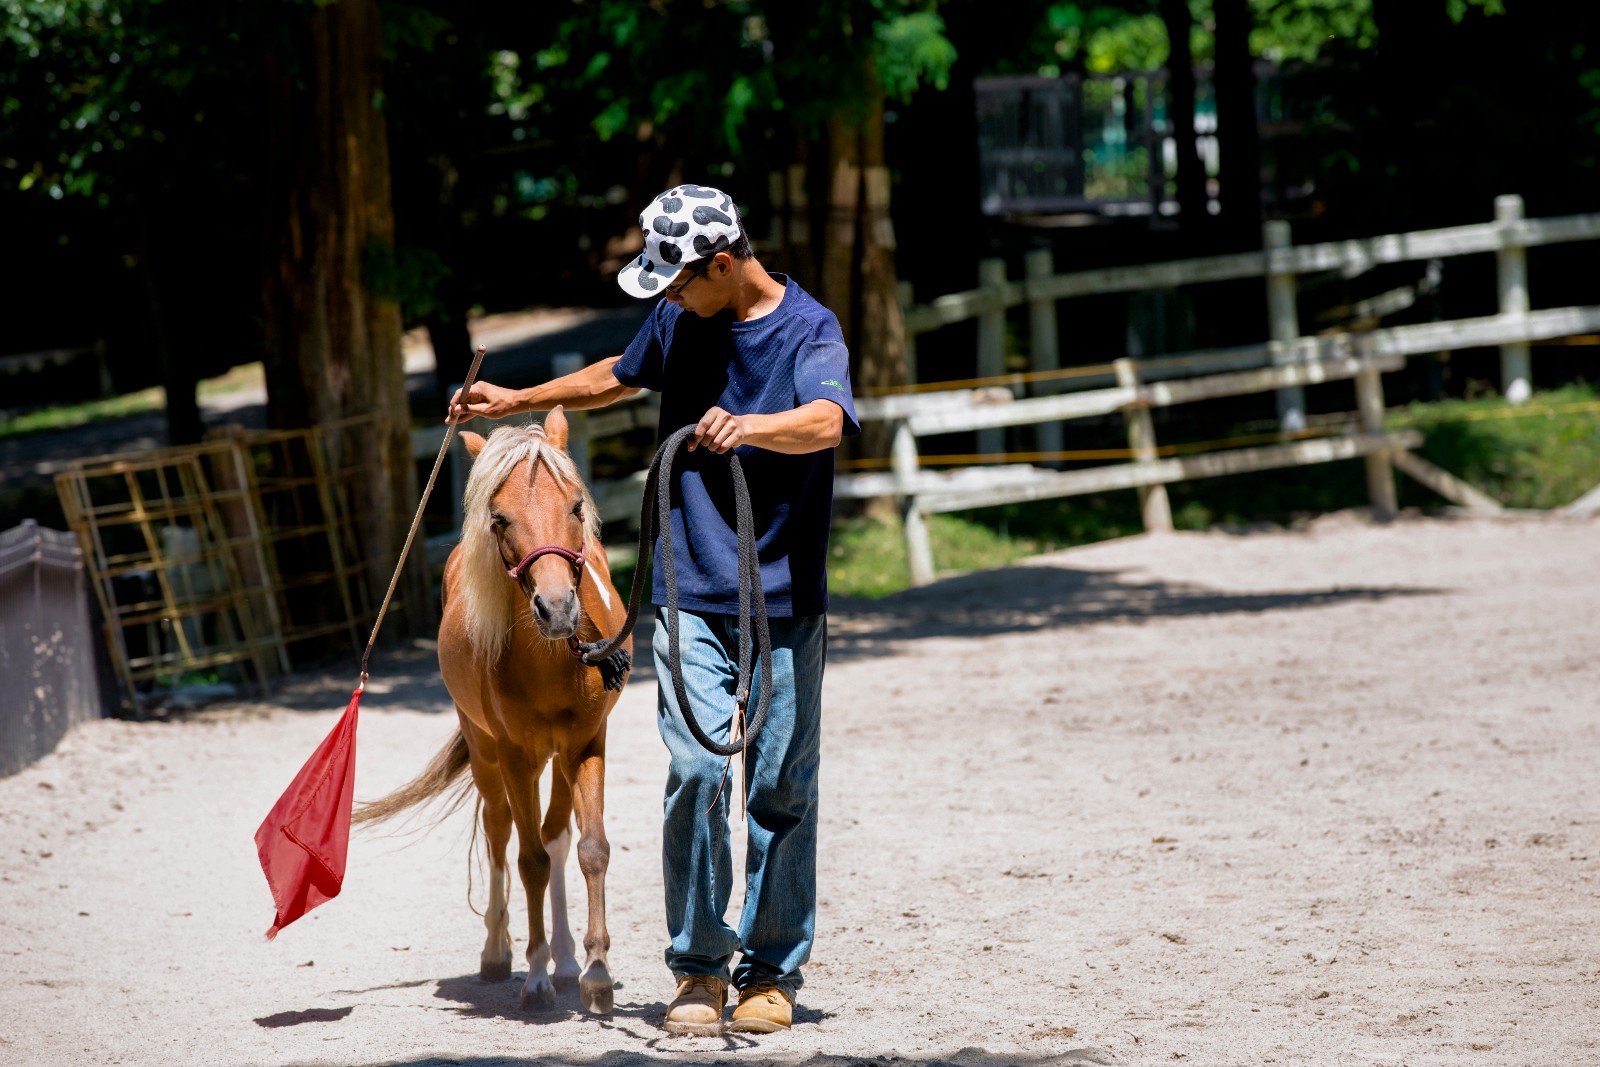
x,y
684,224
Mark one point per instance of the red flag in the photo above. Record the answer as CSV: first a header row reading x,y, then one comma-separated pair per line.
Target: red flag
x,y
304,839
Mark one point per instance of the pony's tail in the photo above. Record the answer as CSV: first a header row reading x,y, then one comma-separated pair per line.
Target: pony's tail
x,y
436,779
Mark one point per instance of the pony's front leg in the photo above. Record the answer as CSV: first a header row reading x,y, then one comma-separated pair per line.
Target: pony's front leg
x,y
594,856
533,863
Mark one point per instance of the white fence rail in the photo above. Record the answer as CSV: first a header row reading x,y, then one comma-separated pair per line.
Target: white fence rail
x,y
1285,364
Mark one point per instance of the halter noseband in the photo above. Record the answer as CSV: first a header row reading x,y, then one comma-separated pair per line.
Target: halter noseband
x,y
574,558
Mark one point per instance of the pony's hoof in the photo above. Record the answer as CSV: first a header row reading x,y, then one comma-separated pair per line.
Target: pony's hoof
x,y
597,997
594,989
540,997
565,983
494,972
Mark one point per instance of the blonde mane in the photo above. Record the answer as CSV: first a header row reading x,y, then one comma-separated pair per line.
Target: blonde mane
x,y
489,612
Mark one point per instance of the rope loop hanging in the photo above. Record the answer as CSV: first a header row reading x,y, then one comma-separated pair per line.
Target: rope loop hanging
x,y
655,516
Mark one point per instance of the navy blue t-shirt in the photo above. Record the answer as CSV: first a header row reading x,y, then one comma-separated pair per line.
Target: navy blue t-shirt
x,y
785,359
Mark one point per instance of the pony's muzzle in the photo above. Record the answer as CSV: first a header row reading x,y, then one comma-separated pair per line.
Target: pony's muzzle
x,y
556,616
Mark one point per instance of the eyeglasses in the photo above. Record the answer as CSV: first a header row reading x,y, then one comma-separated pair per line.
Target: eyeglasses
x,y
676,290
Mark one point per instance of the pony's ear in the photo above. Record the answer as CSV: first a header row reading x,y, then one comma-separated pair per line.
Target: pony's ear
x,y
473,441
555,427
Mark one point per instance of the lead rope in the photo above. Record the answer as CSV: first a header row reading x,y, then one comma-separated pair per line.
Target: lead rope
x,y
655,515
416,522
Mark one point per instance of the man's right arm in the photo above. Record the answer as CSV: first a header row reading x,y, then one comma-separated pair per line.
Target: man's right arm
x,y
595,386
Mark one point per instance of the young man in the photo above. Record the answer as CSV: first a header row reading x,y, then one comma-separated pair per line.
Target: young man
x,y
754,363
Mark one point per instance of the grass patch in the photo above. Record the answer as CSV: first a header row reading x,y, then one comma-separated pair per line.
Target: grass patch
x,y
867,557
143,402
1542,454
66,416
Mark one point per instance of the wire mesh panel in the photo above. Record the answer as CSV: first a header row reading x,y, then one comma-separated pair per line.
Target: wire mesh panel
x,y
307,485
233,558
46,644
169,569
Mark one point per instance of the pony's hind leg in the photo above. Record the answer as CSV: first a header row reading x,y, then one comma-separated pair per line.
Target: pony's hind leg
x,y
557,837
533,863
494,965
595,988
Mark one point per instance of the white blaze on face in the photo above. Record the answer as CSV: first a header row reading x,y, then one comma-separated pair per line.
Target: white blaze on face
x,y
605,594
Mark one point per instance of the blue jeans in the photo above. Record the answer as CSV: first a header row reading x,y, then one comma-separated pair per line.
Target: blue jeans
x,y
780,897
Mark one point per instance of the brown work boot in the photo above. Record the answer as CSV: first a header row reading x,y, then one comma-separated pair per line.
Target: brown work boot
x,y
763,1009
697,1009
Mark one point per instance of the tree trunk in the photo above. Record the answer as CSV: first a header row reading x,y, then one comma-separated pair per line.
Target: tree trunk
x,y
179,381
332,347
1237,132
842,223
859,282
1191,176
881,326
451,339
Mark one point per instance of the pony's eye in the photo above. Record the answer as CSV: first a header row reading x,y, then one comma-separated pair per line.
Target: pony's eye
x,y
577,509
498,522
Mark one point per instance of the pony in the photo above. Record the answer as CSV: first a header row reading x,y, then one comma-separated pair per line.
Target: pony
x,y
526,584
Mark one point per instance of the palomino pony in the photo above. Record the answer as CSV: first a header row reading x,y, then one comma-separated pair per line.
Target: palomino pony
x,y
526,584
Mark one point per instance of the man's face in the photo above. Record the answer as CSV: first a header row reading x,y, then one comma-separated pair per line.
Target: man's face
x,y
703,289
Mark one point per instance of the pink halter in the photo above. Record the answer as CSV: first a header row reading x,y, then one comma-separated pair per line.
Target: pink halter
x,y
574,558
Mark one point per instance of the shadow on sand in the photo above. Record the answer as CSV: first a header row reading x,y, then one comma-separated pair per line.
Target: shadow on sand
x,y
1018,599
466,995
1038,597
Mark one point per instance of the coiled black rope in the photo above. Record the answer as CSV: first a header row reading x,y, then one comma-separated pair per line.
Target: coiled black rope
x,y
655,515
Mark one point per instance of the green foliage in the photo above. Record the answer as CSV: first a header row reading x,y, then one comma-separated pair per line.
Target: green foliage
x,y
1103,38
913,51
64,91
97,96
629,69
1457,9
1301,29
1112,36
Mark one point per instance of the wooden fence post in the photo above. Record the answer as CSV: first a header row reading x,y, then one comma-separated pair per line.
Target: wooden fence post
x,y
1380,476
578,443
907,299
904,464
991,346
1283,321
1043,340
1511,262
1154,506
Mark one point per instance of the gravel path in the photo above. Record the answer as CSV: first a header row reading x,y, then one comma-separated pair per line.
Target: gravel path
x,y
1316,797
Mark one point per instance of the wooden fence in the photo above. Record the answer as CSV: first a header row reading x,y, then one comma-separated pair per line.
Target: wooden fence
x,y
1285,364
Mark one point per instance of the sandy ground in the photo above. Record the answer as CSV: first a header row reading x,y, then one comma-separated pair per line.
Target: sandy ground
x,y
1322,797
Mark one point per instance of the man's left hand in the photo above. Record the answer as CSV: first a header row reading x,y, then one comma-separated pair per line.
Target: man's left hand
x,y
720,431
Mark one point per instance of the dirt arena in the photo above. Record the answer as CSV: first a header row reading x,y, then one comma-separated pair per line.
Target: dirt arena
x,y
1328,796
